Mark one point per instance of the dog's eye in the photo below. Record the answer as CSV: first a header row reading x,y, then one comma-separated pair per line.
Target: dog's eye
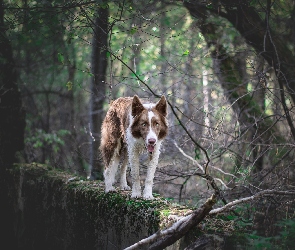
x,y
157,124
144,124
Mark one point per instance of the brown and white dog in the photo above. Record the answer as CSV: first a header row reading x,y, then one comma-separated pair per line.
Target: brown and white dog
x,y
129,129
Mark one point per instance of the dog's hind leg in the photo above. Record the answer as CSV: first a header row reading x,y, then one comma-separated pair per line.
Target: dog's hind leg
x,y
110,173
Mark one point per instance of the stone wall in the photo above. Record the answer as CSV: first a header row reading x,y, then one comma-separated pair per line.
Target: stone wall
x,y
50,209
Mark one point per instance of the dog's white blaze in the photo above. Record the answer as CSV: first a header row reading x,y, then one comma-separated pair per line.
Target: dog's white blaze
x,y
151,133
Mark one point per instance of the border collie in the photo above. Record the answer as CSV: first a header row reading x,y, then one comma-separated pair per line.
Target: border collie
x,y
129,129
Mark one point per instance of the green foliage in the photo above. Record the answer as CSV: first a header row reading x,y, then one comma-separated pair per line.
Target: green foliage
x,y
286,236
60,57
133,30
186,53
166,212
284,239
251,239
69,85
259,243
40,139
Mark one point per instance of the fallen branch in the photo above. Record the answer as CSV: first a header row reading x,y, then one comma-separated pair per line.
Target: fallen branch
x,y
177,230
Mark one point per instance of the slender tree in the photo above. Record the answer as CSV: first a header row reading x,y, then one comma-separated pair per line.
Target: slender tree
x,y
98,86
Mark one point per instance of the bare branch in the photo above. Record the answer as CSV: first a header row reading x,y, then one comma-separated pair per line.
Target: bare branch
x,y
223,184
250,198
189,157
225,173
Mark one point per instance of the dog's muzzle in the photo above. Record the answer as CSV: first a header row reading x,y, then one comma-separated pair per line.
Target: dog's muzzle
x,y
151,145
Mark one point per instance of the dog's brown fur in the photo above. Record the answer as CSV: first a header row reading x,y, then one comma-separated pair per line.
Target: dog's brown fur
x,y
116,117
128,129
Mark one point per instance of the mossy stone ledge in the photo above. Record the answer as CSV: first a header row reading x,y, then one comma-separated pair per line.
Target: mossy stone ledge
x,y
53,209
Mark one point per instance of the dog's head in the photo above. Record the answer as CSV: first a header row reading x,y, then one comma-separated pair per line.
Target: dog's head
x,y
149,121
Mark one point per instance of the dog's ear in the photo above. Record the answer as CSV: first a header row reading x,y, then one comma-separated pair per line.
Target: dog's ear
x,y
161,106
137,106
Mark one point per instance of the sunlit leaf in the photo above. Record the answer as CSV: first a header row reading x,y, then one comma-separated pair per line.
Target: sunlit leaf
x,y
69,85
60,58
185,53
133,30
197,153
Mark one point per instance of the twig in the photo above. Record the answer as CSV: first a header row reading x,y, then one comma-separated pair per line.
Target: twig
x,y
189,157
225,173
188,133
218,179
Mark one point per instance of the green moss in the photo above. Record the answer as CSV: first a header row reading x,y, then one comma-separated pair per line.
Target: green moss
x,y
165,212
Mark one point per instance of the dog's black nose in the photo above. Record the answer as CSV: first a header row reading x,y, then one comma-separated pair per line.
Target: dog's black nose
x,y
151,141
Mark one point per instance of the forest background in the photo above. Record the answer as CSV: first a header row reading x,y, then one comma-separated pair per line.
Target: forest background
x,y
225,67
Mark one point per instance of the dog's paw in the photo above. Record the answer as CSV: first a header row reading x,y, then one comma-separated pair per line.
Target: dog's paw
x,y
148,196
110,189
147,193
126,188
135,195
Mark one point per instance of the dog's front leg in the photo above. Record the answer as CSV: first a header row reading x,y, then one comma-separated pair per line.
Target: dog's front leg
x,y
149,181
134,165
123,180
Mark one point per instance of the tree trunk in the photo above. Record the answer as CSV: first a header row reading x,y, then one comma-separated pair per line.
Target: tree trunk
x,y
164,65
12,128
12,115
98,88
